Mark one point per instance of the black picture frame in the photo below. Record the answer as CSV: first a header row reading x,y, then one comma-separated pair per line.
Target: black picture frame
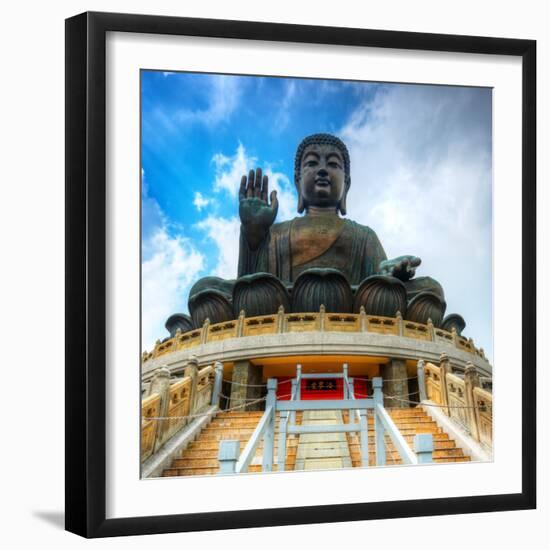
x,y
86,273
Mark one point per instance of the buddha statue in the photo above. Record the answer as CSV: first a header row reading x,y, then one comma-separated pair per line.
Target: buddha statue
x,y
319,257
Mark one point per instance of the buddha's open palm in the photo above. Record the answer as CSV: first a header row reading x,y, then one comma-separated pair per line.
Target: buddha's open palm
x,y
256,212
403,267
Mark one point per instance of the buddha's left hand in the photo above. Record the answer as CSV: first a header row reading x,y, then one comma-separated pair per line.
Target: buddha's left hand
x,y
403,267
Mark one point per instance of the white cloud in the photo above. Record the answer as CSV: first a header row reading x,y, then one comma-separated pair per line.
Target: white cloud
x,y
220,93
421,178
223,94
171,267
229,170
282,116
200,202
152,216
225,234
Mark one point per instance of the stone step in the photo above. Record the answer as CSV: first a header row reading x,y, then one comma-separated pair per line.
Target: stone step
x,y
218,436
394,413
194,463
323,450
444,444
247,414
230,433
240,425
173,472
314,451
245,433
177,472
457,459
438,453
239,416
395,461
228,425
212,462
213,444
330,463
213,453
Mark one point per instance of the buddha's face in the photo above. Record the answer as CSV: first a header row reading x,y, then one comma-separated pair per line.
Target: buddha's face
x,y
322,176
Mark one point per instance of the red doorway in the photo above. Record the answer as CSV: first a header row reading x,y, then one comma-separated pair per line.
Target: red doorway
x,y
320,388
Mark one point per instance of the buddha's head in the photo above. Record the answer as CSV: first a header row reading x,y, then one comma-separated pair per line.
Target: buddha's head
x,y
322,172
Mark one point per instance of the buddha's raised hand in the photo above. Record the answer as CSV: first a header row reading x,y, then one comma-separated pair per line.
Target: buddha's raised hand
x,y
257,214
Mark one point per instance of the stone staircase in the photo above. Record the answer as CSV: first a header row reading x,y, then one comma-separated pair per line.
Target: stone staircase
x,y
201,456
324,450
409,422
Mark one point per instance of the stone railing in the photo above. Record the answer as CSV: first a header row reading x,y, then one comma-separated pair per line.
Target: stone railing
x,y
171,404
483,401
307,322
150,408
462,398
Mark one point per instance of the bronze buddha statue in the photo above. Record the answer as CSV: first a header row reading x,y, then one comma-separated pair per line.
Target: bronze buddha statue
x,y
319,257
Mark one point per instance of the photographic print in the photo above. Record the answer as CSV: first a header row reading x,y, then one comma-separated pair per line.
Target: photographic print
x,y
316,274
298,252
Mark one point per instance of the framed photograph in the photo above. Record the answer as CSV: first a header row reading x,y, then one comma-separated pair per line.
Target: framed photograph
x,y
300,274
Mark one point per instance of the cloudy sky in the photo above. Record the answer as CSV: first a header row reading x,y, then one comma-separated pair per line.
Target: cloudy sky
x,y
420,169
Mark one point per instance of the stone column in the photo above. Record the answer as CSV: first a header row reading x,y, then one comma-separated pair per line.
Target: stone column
x,y
444,369
244,375
471,381
161,384
191,369
394,376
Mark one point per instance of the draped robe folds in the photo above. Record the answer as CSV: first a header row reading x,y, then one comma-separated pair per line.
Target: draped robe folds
x,y
356,251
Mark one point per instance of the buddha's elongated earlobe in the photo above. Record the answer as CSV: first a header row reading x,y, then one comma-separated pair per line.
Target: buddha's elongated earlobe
x,y
301,205
342,204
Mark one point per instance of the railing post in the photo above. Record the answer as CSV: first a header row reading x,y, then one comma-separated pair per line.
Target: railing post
x,y
204,331
293,385
270,402
161,385
345,381
322,315
298,382
422,394
280,320
364,437
455,337
351,412
400,327
380,446
471,381
363,325
423,447
444,369
191,369
217,383
228,455
431,330
281,452
240,323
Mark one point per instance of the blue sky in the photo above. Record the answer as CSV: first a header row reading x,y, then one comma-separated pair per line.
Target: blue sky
x,y
420,167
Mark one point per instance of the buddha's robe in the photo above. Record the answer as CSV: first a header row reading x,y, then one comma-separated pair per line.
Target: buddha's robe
x,y
292,247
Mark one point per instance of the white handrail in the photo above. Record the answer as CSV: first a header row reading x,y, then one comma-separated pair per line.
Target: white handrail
x,y
250,449
351,393
406,454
